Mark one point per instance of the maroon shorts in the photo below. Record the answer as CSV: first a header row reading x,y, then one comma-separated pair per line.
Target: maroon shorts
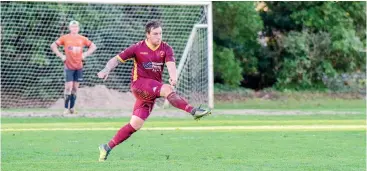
x,y
145,91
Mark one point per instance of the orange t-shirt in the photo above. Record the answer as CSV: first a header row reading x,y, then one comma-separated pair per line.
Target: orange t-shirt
x,y
73,46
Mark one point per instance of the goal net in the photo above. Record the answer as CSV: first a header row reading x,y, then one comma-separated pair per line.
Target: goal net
x,y
32,75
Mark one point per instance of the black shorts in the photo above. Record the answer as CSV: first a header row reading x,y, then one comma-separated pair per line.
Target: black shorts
x,y
73,75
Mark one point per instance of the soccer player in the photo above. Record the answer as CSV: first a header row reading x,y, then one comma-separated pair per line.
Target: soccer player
x,y
73,61
149,57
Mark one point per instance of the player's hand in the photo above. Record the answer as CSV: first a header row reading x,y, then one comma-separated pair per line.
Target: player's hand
x,y
63,58
84,55
172,82
103,75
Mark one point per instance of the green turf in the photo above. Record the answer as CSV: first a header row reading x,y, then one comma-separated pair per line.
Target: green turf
x,y
213,117
316,104
361,116
299,104
177,150
219,120
186,150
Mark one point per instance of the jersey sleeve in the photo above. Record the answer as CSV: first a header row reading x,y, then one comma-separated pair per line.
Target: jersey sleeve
x,y
60,41
169,55
86,41
128,53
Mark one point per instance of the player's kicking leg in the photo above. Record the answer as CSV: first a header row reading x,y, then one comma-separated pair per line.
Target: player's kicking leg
x,y
180,103
199,112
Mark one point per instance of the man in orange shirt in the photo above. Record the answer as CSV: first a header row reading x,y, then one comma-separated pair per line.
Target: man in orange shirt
x,y
73,61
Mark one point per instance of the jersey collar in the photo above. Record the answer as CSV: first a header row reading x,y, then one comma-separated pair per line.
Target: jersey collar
x,y
150,46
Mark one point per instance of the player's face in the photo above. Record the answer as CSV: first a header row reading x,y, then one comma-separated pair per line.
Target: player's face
x,y
74,29
155,36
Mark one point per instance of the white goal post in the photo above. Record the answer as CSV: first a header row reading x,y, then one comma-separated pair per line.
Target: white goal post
x,y
32,76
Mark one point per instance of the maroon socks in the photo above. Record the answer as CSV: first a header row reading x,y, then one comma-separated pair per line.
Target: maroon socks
x,y
123,134
178,102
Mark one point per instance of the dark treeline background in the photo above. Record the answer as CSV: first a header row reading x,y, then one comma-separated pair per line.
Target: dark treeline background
x,y
290,45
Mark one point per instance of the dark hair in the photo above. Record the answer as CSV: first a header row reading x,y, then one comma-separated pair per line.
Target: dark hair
x,y
152,25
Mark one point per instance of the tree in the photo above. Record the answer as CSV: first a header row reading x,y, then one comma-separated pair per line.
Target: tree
x,y
236,27
296,58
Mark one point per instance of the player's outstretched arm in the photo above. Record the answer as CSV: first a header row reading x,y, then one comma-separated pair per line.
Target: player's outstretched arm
x,y
57,52
172,71
111,64
90,50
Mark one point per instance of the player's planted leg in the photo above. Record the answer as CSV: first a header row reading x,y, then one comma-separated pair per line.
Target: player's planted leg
x,y
123,134
104,151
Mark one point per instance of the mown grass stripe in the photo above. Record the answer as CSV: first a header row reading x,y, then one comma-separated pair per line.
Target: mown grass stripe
x,y
186,123
206,128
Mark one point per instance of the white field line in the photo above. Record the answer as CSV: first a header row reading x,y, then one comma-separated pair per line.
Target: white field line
x,y
208,128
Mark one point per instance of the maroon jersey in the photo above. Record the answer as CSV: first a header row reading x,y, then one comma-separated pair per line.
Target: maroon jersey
x,y
148,62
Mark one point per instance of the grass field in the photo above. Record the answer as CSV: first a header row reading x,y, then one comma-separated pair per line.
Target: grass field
x,y
298,104
227,142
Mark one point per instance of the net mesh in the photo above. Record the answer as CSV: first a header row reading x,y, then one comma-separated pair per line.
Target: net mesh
x,y
193,79
32,75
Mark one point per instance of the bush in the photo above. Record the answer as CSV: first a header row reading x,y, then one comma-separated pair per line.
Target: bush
x,y
227,67
354,83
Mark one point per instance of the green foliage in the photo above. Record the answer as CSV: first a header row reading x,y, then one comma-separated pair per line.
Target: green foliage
x,y
307,59
355,82
311,39
219,88
236,25
305,40
227,67
232,25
